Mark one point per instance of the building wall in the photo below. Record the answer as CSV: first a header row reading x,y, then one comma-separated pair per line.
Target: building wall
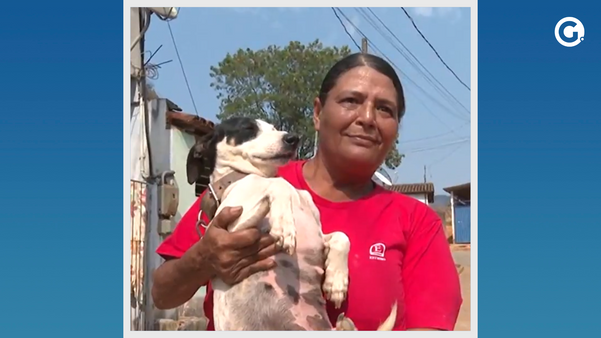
x,y
181,142
420,197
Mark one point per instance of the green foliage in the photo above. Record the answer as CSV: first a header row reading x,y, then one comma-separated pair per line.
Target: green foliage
x,y
279,85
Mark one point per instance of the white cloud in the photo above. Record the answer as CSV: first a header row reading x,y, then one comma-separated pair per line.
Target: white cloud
x,y
451,13
423,11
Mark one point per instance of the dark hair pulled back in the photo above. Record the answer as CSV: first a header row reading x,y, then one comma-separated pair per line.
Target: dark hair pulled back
x,y
360,60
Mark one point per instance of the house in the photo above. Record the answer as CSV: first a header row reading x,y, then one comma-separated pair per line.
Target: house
x,y
423,192
184,129
460,212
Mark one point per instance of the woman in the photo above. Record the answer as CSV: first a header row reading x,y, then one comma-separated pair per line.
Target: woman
x,y
398,247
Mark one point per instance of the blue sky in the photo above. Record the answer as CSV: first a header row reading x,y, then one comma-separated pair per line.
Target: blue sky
x,y
436,129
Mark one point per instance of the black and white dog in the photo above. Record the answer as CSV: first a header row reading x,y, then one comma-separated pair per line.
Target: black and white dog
x,y
243,156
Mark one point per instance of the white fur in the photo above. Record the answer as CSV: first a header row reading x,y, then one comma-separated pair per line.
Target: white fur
x,y
259,190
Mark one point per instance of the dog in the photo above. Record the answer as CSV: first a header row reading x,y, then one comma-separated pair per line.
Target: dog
x,y
242,156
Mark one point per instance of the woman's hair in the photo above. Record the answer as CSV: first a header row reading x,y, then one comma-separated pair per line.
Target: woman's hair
x,y
360,60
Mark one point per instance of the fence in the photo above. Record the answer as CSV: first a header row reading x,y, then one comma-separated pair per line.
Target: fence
x,y
138,212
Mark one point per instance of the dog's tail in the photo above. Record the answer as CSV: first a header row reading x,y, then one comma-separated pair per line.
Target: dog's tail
x,y
388,324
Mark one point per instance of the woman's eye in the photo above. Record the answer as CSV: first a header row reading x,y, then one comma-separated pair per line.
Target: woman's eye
x,y
386,110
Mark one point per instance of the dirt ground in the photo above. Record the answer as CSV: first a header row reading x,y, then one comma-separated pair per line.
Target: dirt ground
x,y
462,259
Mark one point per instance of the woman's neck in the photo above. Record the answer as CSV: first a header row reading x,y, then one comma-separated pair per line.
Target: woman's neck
x,y
334,183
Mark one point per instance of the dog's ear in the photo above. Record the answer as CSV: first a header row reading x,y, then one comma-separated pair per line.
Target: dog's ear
x,y
201,155
193,165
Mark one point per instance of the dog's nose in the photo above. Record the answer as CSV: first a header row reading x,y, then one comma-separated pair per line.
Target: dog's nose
x,y
291,140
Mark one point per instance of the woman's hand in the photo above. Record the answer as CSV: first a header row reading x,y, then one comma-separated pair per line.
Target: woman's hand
x,y
234,256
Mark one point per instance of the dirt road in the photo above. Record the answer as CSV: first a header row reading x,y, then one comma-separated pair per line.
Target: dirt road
x,y
463,258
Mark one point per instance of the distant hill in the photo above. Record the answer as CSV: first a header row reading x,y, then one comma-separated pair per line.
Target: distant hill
x,y
442,206
442,200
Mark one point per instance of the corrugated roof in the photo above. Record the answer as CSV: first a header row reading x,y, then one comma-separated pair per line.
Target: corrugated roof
x,y
415,188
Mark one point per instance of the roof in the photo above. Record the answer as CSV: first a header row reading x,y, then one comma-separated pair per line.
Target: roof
x,y
191,124
463,186
415,188
462,191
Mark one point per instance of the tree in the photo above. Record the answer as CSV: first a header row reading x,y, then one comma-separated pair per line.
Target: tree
x,y
278,85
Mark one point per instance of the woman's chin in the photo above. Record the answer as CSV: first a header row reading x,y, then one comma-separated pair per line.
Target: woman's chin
x,y
359,157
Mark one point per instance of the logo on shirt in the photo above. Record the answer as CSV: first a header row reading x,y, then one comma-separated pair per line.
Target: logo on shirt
x,y
377,252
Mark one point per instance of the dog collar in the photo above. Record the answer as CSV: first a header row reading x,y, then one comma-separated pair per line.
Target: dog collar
x,y
211,200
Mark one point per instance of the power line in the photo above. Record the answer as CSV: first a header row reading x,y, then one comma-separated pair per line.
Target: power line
x,y
345,30
408,78
434,49
451,131
419,150
447,155
405,75
365,15
182,67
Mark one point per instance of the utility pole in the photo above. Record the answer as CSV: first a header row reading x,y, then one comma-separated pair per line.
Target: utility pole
x,y
364,45
425,174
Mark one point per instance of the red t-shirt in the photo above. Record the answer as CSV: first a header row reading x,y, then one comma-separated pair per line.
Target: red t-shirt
x,y
398,251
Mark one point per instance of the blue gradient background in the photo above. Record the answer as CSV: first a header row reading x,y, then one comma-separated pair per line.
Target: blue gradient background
x,y
62,188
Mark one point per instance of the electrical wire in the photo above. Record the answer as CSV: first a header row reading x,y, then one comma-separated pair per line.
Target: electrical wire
x,y
404,74
434,49
447,155
182,67
395,66
431,78
345,30
419,150
452,131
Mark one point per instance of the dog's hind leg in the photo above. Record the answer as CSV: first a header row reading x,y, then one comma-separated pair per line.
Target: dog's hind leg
x,y
335,285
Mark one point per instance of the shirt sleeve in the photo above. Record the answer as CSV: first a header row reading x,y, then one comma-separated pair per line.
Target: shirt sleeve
x,y
431,282
185,234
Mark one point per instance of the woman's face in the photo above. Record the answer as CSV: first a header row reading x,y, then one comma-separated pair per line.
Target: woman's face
x,y
359,120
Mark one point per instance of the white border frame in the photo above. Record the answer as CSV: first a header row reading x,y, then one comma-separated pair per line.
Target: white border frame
x,y
266,3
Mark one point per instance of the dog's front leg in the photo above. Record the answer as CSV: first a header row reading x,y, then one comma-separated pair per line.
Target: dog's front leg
x,y
335,286
281,218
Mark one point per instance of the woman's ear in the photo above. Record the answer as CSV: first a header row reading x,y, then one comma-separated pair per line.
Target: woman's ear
x,y
316,112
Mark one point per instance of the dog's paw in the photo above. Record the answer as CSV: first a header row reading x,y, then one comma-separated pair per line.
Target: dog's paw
x,y
335,285
284,232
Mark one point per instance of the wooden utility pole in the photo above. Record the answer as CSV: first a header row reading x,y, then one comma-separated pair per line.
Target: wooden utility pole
x,y
364,45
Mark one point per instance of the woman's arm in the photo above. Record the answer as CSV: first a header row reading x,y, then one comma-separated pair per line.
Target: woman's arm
x,y
430,279
230,256
177,280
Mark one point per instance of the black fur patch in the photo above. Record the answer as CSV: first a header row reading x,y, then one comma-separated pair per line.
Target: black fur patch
x,y
203,155
292,293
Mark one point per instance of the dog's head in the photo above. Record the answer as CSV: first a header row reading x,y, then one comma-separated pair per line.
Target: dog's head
x,y
243,144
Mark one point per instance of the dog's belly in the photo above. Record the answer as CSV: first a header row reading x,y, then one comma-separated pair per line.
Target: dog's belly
x,y
287,298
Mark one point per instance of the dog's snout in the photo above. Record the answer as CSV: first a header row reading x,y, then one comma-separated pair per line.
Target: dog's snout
x,y
291,140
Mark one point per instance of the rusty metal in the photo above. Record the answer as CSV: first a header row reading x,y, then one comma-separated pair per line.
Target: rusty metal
x,y
139,221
